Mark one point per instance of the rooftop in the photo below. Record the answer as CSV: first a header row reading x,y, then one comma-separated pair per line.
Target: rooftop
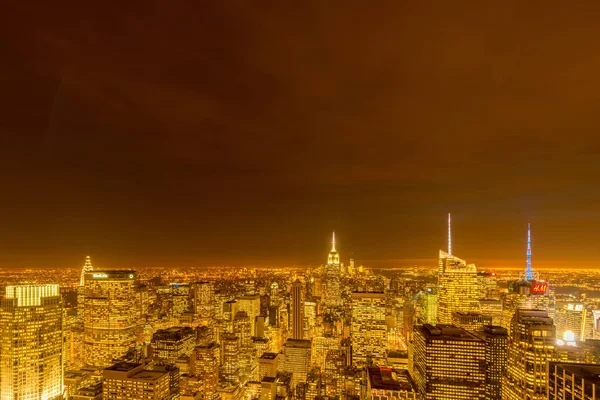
x,y
389,379
589,372
268,356
123,367
446,332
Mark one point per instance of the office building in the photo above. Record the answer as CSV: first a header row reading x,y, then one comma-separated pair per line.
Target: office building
x,y
297,310
496,345
471,321
31,342
250,304
457,287
491,308
230,367
568,381
369,329
242,329
87,268
109,316
571,321
126,381
203,302
428,306
180,299
267,365
448,363
172,343
204,365
531,344
296,360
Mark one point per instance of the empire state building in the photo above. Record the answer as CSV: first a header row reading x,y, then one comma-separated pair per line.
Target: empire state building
x,y
333,296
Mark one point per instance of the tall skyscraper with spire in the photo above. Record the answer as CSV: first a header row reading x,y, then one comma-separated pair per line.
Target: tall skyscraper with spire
x,y
458,289
333,296
529,292
87,268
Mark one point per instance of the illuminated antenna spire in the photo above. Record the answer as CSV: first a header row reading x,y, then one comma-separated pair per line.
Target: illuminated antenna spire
x,y
528,270
333,241
449,235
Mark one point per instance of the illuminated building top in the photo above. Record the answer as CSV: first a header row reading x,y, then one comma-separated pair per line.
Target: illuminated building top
x,y
31,295
87,268
334,257
529,270
110,275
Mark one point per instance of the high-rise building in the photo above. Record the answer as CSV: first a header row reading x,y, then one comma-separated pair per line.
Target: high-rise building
x,y
491,308
203,300
369,329
204,365
230,367
573,381
241,328
296,359
297,310
529,292
571,321
180,299
448,363
531,344
173,343
109,316
87,268
275,299
251,305
428,306
31,343
124,381
333,296
267,365
496,342
470,321
457,287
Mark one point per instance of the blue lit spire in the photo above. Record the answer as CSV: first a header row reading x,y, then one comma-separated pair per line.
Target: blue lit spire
x,y
528,270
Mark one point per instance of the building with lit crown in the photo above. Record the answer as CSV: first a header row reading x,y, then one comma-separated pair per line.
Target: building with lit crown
x,y
457,287
31,343
333,294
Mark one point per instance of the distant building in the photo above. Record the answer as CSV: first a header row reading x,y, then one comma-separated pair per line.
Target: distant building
x,y
369,329
297,310
172,343
386,383
203,301
448,363
109,316
31,342
267,365
333,294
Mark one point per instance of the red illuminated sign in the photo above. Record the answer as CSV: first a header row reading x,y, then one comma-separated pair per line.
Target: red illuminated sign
x,y
539,288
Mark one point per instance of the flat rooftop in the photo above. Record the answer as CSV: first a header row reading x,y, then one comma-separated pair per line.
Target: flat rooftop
x,y
446,332
389,379
123,367
268,356
148,375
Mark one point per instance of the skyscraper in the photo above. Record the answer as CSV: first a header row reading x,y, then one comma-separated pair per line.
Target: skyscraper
x,y
573,381
203,299
297,310
448,363
529,292
470,321
31,343
369,329
496,342
86,269
297,360
333,295
109,316
458,289
133,381
531,345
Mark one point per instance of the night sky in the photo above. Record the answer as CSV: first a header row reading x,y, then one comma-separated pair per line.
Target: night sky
x,y
243,132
